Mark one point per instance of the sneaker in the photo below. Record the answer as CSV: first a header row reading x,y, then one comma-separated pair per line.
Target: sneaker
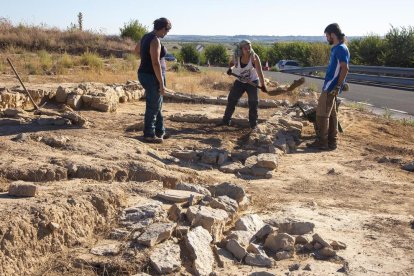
x,y
224,123
332,146
153,140
163,136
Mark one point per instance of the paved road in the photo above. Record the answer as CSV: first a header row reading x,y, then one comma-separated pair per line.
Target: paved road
x,y
377,96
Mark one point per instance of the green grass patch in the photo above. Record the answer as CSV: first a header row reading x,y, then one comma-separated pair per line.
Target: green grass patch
x,y
358,106
45,60
93,60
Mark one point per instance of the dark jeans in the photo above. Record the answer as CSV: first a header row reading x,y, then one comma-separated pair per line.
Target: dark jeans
x,y
153,120
236,93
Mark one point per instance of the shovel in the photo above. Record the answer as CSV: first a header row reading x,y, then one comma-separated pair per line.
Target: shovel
x,y
275,92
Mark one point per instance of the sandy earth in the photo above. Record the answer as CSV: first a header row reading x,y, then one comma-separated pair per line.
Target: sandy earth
x,y
347,193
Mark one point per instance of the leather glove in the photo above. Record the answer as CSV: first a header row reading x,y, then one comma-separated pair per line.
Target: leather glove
x,y
229,72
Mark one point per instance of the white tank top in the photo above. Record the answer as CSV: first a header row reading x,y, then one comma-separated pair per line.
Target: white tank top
x,y
248,73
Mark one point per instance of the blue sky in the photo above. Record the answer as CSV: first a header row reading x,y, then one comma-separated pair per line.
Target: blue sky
x,y
219,17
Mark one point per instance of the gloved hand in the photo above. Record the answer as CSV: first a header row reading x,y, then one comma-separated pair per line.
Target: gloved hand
x,y
336,90
229,72
264,88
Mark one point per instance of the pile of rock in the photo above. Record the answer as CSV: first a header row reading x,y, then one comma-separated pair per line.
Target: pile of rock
x,y
94,96
281,131
260,156
17,98
206,224
248,163
99,97
66,116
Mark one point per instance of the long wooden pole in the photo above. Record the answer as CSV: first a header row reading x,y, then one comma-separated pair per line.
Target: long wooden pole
x,y
21,82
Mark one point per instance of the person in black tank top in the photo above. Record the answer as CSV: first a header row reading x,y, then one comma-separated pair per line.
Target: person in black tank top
x,y
151,74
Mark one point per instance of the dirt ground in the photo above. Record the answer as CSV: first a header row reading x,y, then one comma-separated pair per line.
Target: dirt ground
x,y
346,193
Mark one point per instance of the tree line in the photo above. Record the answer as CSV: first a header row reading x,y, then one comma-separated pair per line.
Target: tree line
x,y
395,49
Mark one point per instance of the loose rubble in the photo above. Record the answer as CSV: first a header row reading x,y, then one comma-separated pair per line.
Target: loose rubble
x,y
214,232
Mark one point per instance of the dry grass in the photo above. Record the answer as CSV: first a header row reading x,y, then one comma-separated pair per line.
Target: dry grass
x,y
44,67
34,38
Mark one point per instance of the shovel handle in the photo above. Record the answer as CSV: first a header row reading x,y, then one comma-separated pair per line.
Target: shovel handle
x,y
249,82
21,82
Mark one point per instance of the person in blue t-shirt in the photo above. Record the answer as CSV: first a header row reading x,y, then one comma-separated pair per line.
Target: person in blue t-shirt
x,y
326,113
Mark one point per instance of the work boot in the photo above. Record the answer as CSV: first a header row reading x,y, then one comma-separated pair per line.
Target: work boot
x,y
321,142
317,145
333,131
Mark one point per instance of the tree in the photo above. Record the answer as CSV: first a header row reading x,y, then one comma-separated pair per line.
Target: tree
x,y
400,47
189,54
261,51
371,50
216,54
80,21
134,30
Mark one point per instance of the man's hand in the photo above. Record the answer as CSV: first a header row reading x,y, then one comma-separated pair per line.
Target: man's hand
x,y
162,90
229,72
336,90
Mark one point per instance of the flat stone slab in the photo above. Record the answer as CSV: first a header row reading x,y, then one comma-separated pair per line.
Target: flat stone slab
x,y
213,220
198,243
156,233
233,191
150,210
292,227
233,167
106,248
178,196
267,160
193,188
281,241
166,258
258,260
22,189
225,203
252,223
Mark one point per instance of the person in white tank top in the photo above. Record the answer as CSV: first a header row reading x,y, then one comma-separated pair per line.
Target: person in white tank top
x,y
246,64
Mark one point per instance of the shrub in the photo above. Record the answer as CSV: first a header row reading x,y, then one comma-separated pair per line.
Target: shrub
x,y
131,60
290,50
45,60
189,54
64,62
371,50
216,54
353,47
32,68
134,30
400,47
261,51
319,54
92,60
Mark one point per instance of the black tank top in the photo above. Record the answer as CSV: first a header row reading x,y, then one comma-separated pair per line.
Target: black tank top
x,y
146,63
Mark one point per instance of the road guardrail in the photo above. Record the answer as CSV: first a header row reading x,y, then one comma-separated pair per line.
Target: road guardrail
x,y
376,74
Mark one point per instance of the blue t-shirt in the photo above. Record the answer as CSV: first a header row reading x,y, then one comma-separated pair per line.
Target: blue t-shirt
x,y
339,53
